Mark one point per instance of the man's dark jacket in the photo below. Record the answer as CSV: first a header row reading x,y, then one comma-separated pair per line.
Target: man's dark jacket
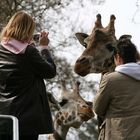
x,y
22,89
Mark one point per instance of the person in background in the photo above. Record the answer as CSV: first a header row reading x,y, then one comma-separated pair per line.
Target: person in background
x,y
22,72
118,98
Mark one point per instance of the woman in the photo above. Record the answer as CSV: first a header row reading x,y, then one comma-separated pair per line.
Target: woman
x,y
22,72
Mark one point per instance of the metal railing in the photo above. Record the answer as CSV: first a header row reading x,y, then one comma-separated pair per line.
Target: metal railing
x,y
15,126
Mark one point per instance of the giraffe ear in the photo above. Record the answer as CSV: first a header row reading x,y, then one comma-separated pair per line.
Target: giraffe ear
x,y
76,87
81,38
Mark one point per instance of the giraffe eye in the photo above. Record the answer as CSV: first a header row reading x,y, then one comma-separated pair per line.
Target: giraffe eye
x,y
110,47
63,102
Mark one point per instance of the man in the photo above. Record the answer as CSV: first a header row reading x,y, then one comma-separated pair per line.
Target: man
x,y
118,100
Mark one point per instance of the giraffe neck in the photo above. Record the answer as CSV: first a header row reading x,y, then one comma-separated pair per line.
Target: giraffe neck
x,y
60,132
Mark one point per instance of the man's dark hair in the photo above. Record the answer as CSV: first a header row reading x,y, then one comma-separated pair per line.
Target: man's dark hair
x,y
126,49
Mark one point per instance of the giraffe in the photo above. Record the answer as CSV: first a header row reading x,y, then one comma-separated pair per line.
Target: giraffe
x,y
99,47
74,110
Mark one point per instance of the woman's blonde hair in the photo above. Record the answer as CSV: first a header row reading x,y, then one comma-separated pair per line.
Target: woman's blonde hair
x,y
20,27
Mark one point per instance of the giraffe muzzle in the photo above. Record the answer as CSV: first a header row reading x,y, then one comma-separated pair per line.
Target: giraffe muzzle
x,y
86,113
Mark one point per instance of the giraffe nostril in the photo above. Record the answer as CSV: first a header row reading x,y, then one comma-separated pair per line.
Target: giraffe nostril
x,y
83,60
90,104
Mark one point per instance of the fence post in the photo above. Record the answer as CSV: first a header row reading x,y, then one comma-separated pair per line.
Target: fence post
x,y
15,125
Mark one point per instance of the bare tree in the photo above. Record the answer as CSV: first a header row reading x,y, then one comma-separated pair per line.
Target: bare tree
x,y
137,3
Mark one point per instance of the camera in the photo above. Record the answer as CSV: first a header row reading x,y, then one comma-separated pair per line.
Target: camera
x,y
36,37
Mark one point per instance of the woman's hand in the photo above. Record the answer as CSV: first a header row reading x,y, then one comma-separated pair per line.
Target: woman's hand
x,y
44,40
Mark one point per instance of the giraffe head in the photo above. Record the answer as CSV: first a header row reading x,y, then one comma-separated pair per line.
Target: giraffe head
x,y
99,47
74,109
